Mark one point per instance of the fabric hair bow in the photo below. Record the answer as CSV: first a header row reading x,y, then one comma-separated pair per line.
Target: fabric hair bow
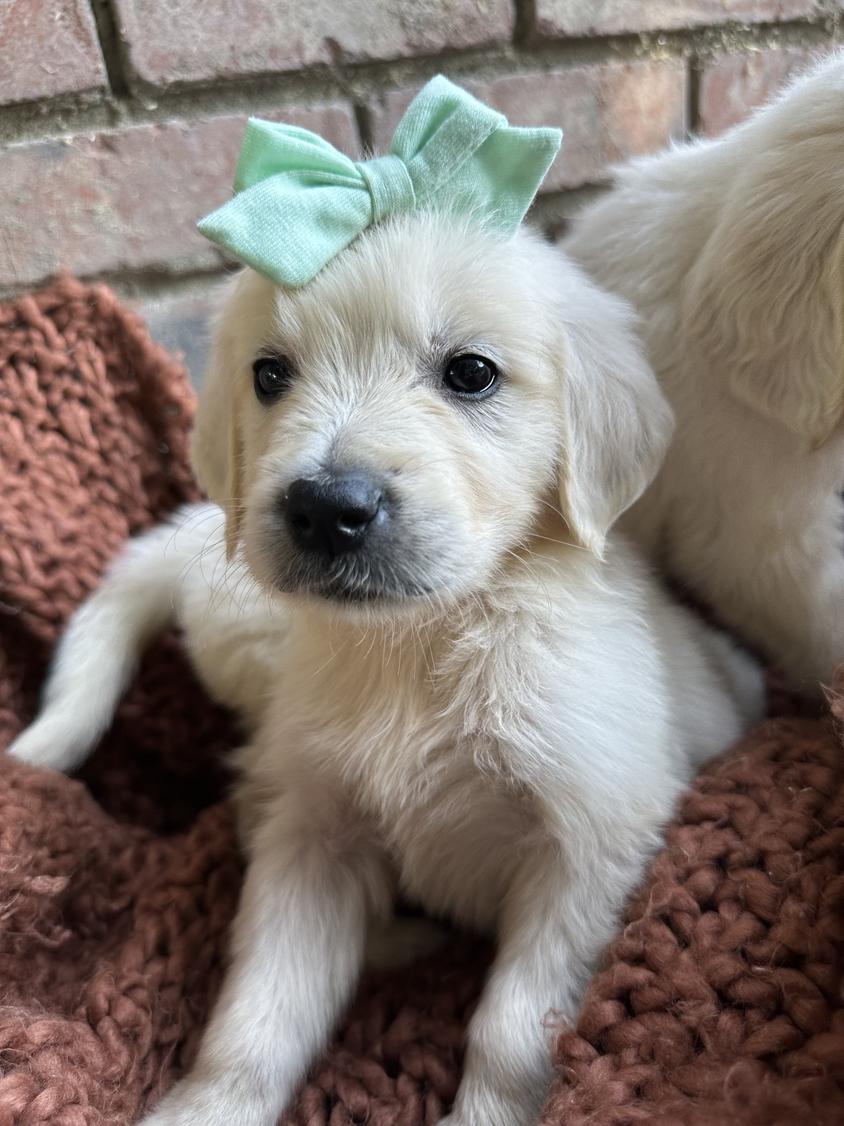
x,y
299,201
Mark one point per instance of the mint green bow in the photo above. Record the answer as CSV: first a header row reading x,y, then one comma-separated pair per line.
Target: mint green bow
x,y
299,201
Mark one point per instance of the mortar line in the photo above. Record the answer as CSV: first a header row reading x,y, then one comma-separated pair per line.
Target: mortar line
x,y
357,82
111,47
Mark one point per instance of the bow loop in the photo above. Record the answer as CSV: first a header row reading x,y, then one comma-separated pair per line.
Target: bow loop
x,y
299,202
442,130
272,149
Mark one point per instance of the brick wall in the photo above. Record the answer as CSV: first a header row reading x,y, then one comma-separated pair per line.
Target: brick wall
x,y
120,120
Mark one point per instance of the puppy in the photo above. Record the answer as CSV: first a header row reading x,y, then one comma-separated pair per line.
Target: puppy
x,y
468,690
732,251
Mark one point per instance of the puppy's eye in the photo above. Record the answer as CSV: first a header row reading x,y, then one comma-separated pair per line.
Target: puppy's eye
x,y
470,375
272,377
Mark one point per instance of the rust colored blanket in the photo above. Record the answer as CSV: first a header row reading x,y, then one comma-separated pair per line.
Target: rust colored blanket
x,y
720,1003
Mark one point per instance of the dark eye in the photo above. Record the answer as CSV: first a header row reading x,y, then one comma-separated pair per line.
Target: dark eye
x,y
470,375
272,377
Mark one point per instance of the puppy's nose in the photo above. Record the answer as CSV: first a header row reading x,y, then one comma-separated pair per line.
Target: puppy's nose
x,y
333,514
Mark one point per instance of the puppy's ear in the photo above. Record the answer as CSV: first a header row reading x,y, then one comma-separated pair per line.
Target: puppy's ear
x,y
616,422
766,298
217,442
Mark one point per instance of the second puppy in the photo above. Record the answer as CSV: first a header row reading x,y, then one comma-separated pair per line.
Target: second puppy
x,y
732,251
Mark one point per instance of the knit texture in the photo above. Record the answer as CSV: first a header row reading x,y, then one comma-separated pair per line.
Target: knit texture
x,y
720,1003
722,1000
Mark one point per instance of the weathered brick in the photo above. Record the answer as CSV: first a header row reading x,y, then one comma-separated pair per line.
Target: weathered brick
x,y
176,41
49,47
561,18
181,322
731,86
128,200
608,112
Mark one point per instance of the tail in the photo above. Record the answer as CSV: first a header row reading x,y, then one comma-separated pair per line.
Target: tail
x,y
99,652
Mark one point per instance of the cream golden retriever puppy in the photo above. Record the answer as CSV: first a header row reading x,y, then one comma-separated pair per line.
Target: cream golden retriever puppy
x,y
458,683
732,251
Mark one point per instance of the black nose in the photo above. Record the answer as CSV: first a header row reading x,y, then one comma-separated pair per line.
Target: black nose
x,y
334,513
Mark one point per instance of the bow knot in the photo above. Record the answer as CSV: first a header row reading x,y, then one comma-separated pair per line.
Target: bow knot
x,y
389,184
299,201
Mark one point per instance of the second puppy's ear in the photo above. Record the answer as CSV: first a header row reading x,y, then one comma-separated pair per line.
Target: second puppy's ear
x,y
616,424
766,297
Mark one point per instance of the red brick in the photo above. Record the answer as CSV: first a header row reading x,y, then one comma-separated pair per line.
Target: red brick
x,y
608,112
174,41
181,322
734,85
128,200
49,47
561,18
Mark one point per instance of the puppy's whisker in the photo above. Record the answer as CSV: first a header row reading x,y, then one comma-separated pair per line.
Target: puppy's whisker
x,y
557,512
531,563
329,660
559,542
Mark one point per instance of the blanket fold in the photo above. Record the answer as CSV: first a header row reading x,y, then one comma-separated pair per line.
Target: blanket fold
x,y
721,1001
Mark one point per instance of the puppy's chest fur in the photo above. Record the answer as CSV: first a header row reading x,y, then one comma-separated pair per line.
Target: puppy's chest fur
x,y
430,742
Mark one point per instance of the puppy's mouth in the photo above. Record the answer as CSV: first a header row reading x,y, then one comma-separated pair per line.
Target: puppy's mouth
x,y
382,563
340,592
350,583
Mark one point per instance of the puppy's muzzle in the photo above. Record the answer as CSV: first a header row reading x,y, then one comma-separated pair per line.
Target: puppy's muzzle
x,y
334,513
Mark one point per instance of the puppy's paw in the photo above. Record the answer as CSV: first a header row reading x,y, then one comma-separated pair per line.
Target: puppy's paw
x,y
44,743
461,1120
492,1109
458,1118
399,942
180,1108
194,1102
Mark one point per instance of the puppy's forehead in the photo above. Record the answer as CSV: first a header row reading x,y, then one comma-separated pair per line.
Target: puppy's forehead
x,y
414,279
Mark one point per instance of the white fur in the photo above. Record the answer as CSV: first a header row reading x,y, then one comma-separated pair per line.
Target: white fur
x,y
732,251
176,571
504,748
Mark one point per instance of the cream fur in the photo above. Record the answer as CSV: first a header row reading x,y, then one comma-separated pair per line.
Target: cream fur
x,y
732,252
503,748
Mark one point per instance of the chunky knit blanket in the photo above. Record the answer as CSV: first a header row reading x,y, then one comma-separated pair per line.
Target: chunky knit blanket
x,y
721,1001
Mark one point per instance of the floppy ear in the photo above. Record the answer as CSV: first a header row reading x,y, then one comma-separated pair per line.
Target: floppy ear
x,y
616,422
217,442
766,299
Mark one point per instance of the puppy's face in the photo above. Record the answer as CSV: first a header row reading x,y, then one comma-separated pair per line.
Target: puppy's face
x,y
388,434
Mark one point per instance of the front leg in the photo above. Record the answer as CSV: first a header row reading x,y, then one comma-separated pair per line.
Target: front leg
x,y
297,947
559,914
